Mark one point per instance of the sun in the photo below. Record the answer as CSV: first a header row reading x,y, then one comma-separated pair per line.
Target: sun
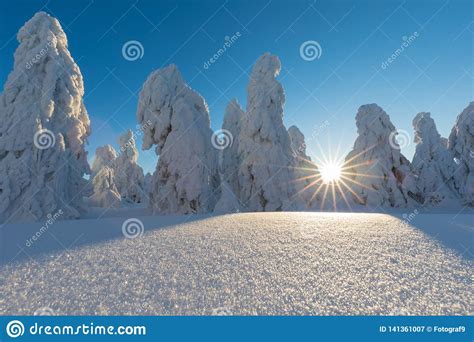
x,y
331,172
333,176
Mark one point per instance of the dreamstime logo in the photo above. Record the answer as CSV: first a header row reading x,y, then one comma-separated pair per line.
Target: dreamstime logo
x,y
406,42
409,218
133,50
39,55
317,130
52,218
228,42
133,228
221,139
44,139
45,311
139,131
310,50
399,139
15,329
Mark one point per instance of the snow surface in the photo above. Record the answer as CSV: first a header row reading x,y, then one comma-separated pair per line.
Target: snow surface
x,y
251,263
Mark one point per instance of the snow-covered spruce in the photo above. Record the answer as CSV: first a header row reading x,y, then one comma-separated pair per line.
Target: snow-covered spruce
x,y
461,143
266,172
186,179
147,185
306,171
433,163
128,174
105,194
104,156
43,127
230,155
103,178
380,174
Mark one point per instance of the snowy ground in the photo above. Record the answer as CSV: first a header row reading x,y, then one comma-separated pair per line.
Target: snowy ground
x,y
256,263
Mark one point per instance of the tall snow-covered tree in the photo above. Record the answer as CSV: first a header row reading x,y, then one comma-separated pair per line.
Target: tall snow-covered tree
x,y
298,143
43,127
307,180
104,156
461,144
380,174
103,178
186,179
433,163
128,174
147,185
230,155
266,172
105,194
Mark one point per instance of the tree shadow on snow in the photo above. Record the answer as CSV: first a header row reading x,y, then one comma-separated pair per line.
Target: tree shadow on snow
x,y
453,231
28,241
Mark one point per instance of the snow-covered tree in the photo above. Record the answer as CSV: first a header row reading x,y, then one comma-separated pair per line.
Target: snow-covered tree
x,y
266,172
186,179
461,143
381,175
230,154
104,156
433,163
147,184
103,178
298,143
128,174
43,127
307,180
105,194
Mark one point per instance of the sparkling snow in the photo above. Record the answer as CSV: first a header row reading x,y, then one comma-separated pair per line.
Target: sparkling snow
x,y
254,263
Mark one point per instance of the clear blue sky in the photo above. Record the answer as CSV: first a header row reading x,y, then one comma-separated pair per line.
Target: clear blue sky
x,y
434,73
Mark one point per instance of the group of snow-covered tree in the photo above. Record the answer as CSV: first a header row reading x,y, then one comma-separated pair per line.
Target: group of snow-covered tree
x,y
262,167
116,177
442,170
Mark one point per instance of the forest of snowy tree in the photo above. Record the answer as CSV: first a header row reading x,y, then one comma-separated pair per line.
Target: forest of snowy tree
x,y
253,164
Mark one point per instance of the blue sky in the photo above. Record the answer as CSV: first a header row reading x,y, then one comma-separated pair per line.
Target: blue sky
x,y
434,73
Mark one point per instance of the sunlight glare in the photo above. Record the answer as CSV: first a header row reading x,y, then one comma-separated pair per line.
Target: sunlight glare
x,y
330,172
